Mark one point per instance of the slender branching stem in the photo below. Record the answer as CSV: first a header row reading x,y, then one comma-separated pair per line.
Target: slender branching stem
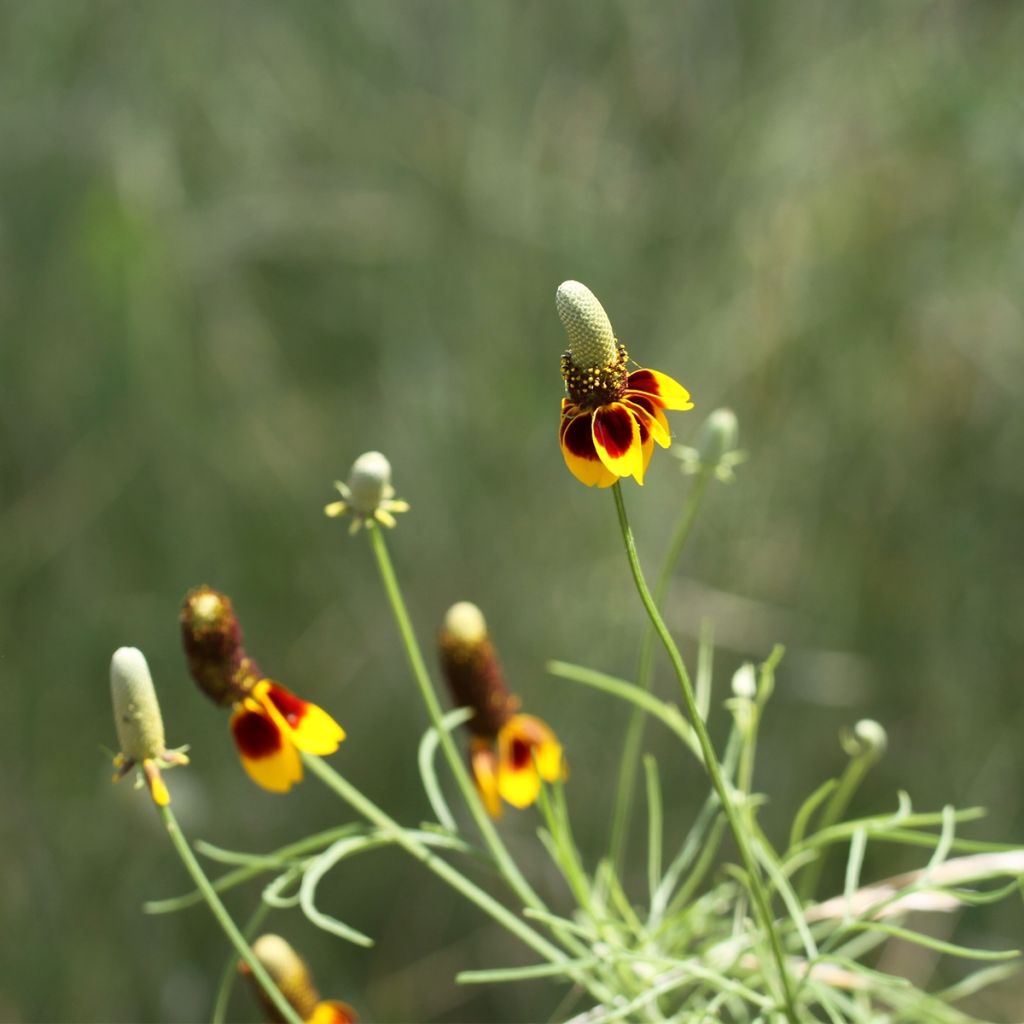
x,y
630,759
711,763
204,885
503,859
365,807
228,973
834,810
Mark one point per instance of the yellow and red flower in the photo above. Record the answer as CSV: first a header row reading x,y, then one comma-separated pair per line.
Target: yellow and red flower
x,y
509,753
612,417
269,723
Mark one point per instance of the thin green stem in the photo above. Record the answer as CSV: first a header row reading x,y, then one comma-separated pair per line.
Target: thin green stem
x,y
833,812
711,764
630,758
488,904
506,865
256,867
219,911
228,973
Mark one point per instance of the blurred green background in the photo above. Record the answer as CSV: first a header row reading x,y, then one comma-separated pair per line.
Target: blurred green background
x,y
241,243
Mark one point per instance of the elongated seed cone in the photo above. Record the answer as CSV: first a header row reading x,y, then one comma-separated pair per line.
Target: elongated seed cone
x,y
591,338
289,972
472,670
137,718
212,639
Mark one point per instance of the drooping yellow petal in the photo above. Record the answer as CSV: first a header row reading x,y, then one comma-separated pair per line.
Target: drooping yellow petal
x,y
649,415
267,752
668,392
157,786
330,1011
545,748
519,786
577,443
528,751
616,436
317,733
309,727
550,762
484,765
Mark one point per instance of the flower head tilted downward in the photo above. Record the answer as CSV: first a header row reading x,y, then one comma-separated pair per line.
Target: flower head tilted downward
x,y
270,724
368,497
612,417
509,752
292,976
139,724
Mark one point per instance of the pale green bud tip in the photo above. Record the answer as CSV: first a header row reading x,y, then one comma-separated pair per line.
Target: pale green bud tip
x,y
744,682
591,338
872,736
140,728
369,482
718,436
465,623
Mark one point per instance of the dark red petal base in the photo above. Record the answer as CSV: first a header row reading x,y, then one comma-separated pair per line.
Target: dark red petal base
x,y
256,735
613,429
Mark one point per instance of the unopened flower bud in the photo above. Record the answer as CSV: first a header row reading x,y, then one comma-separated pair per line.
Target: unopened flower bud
x,y
591,338
867,739
369,482
744,681
368,496
717,436
473,671
140,727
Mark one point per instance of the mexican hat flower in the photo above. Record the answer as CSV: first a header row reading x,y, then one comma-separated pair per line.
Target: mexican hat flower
x,y
139,724
292,976
612,416
269,723
509,752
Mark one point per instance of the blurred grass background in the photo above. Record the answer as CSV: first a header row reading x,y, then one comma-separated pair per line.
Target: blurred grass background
x,y
240,243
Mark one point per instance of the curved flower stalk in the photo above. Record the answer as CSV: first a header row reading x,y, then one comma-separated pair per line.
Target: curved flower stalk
x,y
612,417
368,496
509,752
269,723
292,976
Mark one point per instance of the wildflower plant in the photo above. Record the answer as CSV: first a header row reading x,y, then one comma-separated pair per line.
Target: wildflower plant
x,y
734,924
